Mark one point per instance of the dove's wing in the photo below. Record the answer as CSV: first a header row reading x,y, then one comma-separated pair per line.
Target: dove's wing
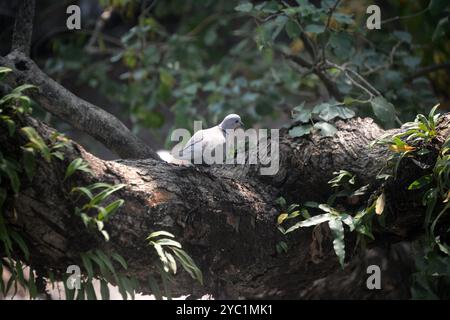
x,y
193,143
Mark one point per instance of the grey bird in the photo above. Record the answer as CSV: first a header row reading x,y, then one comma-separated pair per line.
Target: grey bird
x,y
209,139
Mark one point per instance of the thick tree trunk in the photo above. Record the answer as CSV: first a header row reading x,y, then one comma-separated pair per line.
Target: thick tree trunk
x,y
225,217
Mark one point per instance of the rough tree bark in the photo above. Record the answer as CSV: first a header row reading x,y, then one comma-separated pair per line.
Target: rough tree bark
x,y
225,217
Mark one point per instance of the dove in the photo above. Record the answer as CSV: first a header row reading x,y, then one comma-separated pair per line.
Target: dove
x,y
208,141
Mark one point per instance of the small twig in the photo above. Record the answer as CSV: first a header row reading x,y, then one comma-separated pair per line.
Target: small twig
x,y
346,72
366,83
428,69
404,17
101,21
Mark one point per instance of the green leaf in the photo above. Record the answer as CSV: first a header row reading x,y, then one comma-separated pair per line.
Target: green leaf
x,y
160,233
384,111
10,169
343,18
166,285
437,6
342,45
84,191
100,263
2,283
244,7
162,255
105,194
29,162
311,204
300,131
292,29
282,247
172,262
128,286
77,164
435,221
105,259
282,217
348,220
154,287
2,196
90,292
120,260
188,264
329,112
421,182
440,30
104,289
403,36
110,209
315,28
326,129
168,242
23,87
31,284
338,243
429,199
87,265
4,70
302,114
380,203
21,243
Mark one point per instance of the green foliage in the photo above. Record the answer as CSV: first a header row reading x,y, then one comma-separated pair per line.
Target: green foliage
x,y
333,217
321,113
431,281
169,251
383,110
406,144
94,213
17,254
100,266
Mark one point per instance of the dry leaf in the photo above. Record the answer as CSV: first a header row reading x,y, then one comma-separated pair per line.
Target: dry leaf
x,y
281,218
403,148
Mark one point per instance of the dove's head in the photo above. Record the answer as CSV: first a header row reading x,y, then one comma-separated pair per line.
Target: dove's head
x,y
231,121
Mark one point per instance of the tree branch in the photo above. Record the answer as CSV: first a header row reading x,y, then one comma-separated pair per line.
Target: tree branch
x,y
79,113
226,218
23,27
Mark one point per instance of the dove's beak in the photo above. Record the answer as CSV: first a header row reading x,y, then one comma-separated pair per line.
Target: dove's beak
x,y
241,124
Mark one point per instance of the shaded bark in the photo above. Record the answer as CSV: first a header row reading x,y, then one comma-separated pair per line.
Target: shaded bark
x,y
225,217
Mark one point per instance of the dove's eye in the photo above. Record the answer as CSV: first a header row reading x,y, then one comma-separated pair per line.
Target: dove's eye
x,y
236,121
